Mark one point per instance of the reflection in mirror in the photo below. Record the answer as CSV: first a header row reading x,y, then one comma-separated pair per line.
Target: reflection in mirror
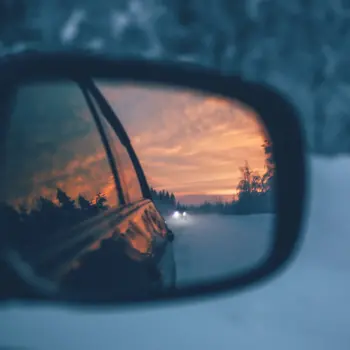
x,y
210,165
73,206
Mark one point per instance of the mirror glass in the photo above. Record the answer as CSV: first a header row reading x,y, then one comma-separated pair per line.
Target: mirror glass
x,y
74,202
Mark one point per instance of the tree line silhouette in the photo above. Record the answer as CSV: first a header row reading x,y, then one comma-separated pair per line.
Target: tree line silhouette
x,y
254,192
164,200
47,216
164,196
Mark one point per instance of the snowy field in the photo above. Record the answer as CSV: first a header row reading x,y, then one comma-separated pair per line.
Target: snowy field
x,y
306,307
213,246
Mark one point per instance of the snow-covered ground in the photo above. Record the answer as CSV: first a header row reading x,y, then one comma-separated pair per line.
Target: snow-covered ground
x,y
210,247
306,307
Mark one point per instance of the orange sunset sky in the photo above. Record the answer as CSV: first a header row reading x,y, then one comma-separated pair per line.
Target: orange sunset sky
x,y
188,142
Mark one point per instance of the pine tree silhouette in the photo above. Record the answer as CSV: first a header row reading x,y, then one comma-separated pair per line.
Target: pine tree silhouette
x,y
84,204
101,201
65,201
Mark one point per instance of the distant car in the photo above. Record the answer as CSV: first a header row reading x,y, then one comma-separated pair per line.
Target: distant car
x,y
180,215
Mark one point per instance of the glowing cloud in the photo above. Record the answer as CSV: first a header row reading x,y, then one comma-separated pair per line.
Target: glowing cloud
x,y
188,142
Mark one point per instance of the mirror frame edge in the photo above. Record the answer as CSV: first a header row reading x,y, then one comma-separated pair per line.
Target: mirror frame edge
x,y
283,130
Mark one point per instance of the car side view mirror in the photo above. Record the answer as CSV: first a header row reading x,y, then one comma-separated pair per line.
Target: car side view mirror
x,y
127,181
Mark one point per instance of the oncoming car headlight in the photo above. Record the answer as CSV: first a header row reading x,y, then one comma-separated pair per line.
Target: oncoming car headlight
x,y
176,215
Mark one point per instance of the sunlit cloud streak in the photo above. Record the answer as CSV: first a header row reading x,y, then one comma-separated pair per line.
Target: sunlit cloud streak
x,y
188,142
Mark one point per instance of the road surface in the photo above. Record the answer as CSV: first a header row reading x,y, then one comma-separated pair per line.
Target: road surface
x,y
211,246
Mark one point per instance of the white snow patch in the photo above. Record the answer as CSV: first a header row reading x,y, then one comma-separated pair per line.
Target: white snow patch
x,y
118,21
71,28
96,44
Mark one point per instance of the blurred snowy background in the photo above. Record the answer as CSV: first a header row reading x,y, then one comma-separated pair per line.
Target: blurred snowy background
x,y
301,47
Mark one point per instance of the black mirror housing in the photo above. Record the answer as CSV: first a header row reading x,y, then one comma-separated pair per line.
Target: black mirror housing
x,y
279,118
